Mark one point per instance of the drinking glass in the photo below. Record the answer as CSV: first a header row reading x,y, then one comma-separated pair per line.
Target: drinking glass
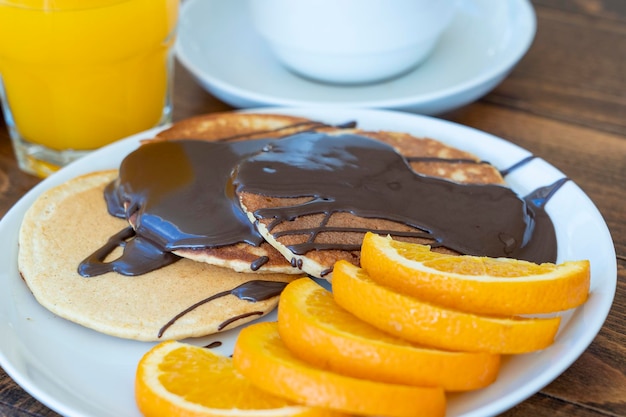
x,y
78,74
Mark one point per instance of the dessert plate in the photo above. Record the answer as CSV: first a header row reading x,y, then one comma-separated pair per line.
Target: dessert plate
x,y
81,373
219,46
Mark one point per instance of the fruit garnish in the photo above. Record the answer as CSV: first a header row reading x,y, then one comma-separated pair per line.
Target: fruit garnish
x,y
262,357
481,285
176,379
432,325
389,339
317,330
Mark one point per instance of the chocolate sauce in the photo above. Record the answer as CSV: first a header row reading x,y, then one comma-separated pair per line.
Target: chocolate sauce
x,y
367,178
213,345
444,160
239,317
516,165
181,194
179,191
259,262
152,257
542,224
252,291
306,126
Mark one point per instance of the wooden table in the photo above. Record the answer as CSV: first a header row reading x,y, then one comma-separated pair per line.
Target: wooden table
x,y
566,103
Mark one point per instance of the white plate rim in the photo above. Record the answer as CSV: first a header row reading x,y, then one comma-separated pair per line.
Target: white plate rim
x,y
592,314
483,82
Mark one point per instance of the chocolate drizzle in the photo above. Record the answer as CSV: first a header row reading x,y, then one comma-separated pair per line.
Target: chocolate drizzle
x,y
252,291
152,257
516,165
444,160
239,317
542,224
259,262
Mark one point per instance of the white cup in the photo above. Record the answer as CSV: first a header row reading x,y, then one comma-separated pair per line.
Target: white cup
x,y
351,41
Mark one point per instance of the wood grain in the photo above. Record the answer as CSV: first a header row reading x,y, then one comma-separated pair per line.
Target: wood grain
x,y
576,69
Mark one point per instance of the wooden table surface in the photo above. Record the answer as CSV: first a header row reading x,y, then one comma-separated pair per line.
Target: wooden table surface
x,y
565,102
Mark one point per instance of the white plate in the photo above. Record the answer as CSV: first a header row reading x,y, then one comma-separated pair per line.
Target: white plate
x,y
487,38
79,372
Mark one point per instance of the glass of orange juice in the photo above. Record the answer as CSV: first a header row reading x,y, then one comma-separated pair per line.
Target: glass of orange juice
x,y
78,74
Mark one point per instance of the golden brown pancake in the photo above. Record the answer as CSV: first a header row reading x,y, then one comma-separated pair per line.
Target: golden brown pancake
x,y
231,126
433,158
68,223
465,167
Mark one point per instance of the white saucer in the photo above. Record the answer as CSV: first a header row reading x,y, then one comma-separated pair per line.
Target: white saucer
x,y
487,38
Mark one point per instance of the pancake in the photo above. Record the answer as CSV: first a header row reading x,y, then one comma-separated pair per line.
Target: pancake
x,y
230,127
331,236
435,159
233,126
68,223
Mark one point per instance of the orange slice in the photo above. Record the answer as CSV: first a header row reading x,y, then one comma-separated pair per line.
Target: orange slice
x,y
317,330
474,284
263,358
432,325
175,380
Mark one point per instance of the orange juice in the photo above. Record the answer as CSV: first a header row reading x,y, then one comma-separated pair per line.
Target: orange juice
x,y
78,74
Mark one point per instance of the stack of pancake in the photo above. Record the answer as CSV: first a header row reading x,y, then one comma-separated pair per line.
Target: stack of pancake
x,y
207,289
